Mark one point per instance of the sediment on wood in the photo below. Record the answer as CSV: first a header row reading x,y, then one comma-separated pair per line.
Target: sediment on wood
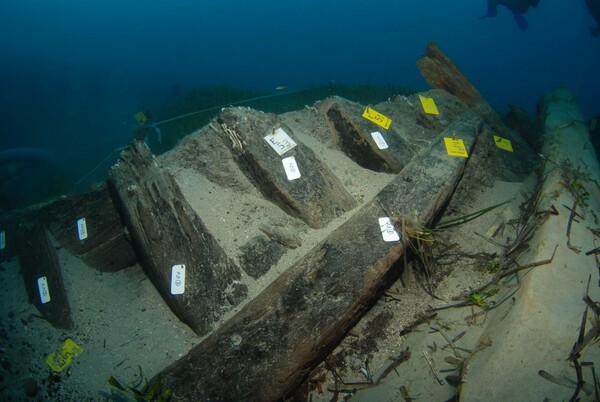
x,y
316,197
166,233
352,135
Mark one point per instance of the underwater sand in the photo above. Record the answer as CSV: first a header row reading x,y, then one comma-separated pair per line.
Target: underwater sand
x,y
126,330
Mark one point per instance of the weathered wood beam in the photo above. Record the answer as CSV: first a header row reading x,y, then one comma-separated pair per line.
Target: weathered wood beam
x,y
317,197
42,275
273,343
106,247
441,72
166,233
353,137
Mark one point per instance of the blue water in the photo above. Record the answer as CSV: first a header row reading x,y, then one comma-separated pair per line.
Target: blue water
x,y
72,73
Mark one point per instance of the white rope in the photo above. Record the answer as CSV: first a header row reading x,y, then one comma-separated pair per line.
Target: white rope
x,y
229,104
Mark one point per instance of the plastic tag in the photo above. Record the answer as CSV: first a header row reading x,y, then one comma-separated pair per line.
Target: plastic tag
x,y
429,105
60,360
374,116
280,141
43,290
455,147
503,143
379,140
178,279
291,168
388,231
2,240
82,229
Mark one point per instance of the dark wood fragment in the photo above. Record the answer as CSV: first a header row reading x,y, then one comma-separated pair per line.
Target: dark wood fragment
x,y
353,137
317,197
274,342
528,127
259,254
107,247
38,259
166,232
440,72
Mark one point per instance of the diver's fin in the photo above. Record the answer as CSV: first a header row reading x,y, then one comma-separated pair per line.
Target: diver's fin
x,y
521,21
491,12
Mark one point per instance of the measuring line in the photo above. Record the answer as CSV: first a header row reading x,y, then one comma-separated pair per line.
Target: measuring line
x,y
234,103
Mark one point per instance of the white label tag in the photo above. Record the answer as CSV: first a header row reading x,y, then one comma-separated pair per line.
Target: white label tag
x,y
82,229
43,289
280,141
291,168
388,231
178,279
379,140
2,240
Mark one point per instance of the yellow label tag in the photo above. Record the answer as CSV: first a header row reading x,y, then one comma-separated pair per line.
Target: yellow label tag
x,y
503,143
141,118
455,147
428,104
594,124
60,360
377,118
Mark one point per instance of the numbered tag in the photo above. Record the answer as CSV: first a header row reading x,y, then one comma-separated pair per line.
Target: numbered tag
x,y
2,240
379,140
455,147
43,290
503,143
291,168
82,229
388,231
280,141
374,116
60,360
178,279
429,105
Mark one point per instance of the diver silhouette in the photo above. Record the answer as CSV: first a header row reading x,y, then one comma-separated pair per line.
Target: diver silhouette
x,y
594,9
517,7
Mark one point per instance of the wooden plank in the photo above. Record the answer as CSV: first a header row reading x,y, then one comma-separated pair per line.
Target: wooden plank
x,y
39,260
273,343
317,197
167,232
107,247
440,72
353,137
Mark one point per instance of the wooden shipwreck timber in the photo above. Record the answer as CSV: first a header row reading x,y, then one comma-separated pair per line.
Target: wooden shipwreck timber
x,y
261,344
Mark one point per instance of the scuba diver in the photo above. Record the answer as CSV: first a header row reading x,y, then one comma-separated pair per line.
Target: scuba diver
x,y
517,7
147,131
594,9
